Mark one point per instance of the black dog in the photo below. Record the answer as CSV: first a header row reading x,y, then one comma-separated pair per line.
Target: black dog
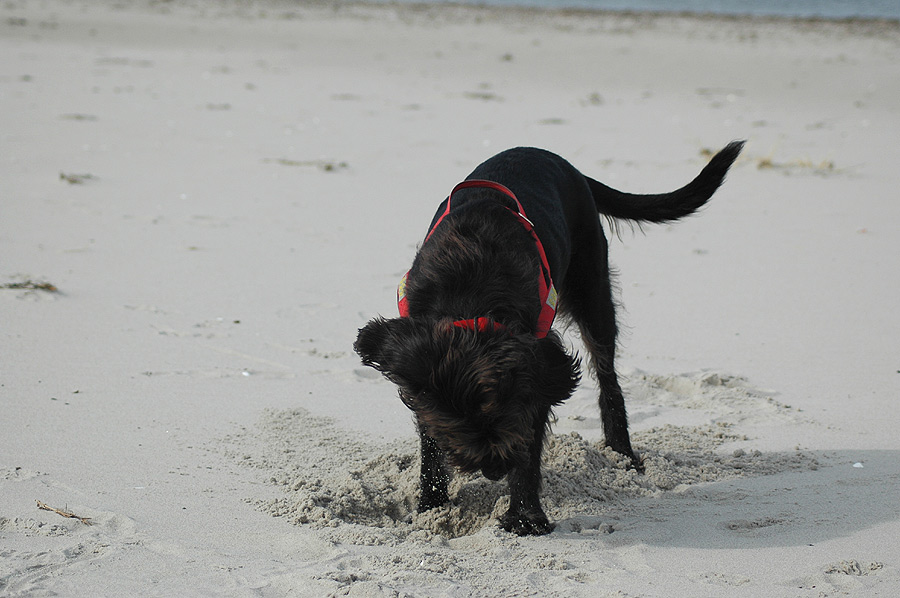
x,y
473,354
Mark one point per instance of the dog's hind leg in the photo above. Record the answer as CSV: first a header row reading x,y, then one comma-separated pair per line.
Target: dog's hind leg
x,y
433,477
588,299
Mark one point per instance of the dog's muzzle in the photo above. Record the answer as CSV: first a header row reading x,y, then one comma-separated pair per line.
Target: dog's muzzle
x,y
493,472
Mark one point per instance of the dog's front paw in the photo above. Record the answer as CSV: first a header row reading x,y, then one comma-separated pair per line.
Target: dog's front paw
x,y
636,464
526,523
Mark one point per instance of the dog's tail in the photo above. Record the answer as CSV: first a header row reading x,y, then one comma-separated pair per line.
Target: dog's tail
x,y
664,207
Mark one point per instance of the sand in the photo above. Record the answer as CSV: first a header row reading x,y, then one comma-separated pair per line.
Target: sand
x,y
201,202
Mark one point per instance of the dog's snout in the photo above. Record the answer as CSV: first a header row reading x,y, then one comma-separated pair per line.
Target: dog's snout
x,y
493,472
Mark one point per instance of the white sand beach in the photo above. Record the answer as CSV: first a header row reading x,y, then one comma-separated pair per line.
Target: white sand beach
x,y
201,203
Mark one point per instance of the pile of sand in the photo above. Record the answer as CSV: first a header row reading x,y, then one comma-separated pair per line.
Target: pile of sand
x,y
366,492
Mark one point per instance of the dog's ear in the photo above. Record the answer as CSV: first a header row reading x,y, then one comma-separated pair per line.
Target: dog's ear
x,y
559,372
398,349
374,342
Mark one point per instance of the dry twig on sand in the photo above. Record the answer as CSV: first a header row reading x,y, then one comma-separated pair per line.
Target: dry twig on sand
x,y
44,507
326,165
76,179
30,285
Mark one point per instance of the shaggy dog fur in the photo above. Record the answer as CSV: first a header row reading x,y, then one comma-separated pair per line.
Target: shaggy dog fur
x,y
482,395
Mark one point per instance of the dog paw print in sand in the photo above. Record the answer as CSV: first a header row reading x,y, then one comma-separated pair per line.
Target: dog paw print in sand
x,y
848,577
60,537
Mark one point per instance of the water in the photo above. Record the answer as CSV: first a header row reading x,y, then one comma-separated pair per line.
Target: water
x,y
828,9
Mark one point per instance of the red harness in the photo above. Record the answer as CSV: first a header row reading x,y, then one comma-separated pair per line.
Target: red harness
x,y
548,294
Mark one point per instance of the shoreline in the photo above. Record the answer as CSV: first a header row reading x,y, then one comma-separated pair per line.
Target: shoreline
x,y
467,12
889,22
858,25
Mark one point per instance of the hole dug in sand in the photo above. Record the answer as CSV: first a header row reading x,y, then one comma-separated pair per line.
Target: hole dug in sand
x,y
366,494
